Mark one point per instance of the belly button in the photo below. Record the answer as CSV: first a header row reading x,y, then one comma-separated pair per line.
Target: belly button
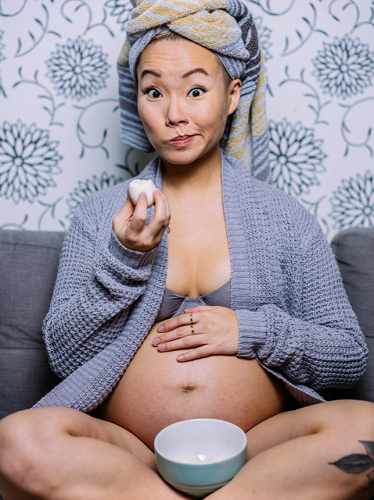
x,y
188,388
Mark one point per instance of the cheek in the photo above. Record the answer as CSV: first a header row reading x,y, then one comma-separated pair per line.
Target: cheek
x,y
212,116
150,115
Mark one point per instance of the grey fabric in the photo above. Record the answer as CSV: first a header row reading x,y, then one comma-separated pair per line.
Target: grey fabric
x,y
292,310
354,251
173,304
28,268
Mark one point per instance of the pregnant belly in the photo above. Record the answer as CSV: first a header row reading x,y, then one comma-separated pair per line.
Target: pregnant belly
x,y
156,390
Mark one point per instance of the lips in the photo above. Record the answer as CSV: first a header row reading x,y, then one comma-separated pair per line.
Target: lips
x,y
181,140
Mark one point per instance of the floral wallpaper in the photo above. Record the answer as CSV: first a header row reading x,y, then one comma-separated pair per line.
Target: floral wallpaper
x,y
59,117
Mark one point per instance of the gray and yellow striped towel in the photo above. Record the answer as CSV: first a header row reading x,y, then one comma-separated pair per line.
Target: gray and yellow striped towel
x,y
225,27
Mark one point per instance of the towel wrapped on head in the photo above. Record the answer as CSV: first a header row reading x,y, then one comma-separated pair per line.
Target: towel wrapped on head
x,y
227,28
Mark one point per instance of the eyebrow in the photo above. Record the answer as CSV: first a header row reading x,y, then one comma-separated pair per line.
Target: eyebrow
x,y
186,75
197,70
150,72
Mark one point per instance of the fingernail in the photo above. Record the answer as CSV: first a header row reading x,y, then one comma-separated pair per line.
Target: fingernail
x,y
161,328
180,357
161,347
156,341
142,195
157,191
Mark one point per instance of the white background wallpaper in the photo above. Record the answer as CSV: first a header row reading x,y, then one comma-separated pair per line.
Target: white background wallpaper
x,y
59,119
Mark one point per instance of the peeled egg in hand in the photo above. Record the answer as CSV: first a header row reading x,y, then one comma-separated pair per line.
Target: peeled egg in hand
x,y
138,186
216,458
187,458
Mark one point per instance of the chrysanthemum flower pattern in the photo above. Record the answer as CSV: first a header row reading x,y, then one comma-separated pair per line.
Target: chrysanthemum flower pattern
x,y
353,202
264,33
344,67
28,160
87,187
121,9
295,157
78,69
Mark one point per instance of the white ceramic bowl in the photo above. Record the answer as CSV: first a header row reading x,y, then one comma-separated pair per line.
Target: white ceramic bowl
x,y
206,437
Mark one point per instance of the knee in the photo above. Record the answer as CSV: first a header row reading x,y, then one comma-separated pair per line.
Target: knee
x,y
365,425
347,418
24,459
356,419
351,443
15,442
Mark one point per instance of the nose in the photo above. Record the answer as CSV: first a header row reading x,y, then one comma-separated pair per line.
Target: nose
x,y
176,112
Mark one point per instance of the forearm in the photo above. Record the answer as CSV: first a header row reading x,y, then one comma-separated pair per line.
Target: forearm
x,y
81,327
312,354
316,340
97,283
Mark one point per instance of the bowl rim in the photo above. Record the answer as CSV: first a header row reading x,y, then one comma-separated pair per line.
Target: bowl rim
x,y
194,420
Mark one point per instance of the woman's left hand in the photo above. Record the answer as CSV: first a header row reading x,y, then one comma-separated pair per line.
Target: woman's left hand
x,y
216,331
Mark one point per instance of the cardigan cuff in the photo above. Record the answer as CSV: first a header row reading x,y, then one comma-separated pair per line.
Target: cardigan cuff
x,y
131,258
252,332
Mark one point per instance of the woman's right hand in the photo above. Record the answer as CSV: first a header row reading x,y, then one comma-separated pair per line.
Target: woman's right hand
x,y
133,232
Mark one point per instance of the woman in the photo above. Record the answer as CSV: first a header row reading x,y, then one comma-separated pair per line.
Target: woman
x,y
236,310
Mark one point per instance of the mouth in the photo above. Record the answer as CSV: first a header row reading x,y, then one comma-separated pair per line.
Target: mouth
x,y
181,140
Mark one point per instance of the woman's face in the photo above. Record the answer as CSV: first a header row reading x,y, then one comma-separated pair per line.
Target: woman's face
x,y
183,99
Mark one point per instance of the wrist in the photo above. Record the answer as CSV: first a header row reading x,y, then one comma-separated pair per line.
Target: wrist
x,y
130,257
252,332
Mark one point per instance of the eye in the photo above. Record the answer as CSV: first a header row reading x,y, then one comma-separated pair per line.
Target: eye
x,y
153,93
196,92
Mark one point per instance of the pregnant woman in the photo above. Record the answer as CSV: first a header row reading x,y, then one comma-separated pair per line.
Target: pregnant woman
x,y
237,313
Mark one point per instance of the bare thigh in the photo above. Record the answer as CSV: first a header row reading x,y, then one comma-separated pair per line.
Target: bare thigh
x,y
341,417
59,453
77,424
324,451
40,436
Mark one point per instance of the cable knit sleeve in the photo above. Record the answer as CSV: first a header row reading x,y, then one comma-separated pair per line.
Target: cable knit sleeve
x,y
320,344
98,280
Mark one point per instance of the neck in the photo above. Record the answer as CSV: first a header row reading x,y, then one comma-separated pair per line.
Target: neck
x,y
201,176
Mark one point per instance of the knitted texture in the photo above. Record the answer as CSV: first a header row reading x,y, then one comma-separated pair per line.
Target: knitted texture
x,y
227,28
293,313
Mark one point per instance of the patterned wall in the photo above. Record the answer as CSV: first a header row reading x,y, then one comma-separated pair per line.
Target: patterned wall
x,y
59,117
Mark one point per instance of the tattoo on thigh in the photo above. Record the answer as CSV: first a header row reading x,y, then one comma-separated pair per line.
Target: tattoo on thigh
x,y
357,463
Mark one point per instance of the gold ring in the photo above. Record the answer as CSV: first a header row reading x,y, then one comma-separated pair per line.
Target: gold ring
x,y
191,324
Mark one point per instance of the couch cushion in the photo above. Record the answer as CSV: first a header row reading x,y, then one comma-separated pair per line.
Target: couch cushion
x,y
28,268
354,251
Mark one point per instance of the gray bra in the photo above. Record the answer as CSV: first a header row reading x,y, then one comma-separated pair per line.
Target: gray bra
x,y
173,304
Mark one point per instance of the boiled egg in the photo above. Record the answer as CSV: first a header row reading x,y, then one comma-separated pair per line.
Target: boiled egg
x,y
138,186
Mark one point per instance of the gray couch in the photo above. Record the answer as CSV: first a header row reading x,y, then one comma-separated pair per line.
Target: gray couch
x,y
28,267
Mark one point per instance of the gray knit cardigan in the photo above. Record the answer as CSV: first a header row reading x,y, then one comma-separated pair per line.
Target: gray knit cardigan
x,y
293,313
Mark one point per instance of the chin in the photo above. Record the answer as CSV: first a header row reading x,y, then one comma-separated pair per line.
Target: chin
x,y
183,157
180,159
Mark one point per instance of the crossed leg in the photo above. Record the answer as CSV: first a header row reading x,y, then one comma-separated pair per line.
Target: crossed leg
x,y
61,454
291,456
